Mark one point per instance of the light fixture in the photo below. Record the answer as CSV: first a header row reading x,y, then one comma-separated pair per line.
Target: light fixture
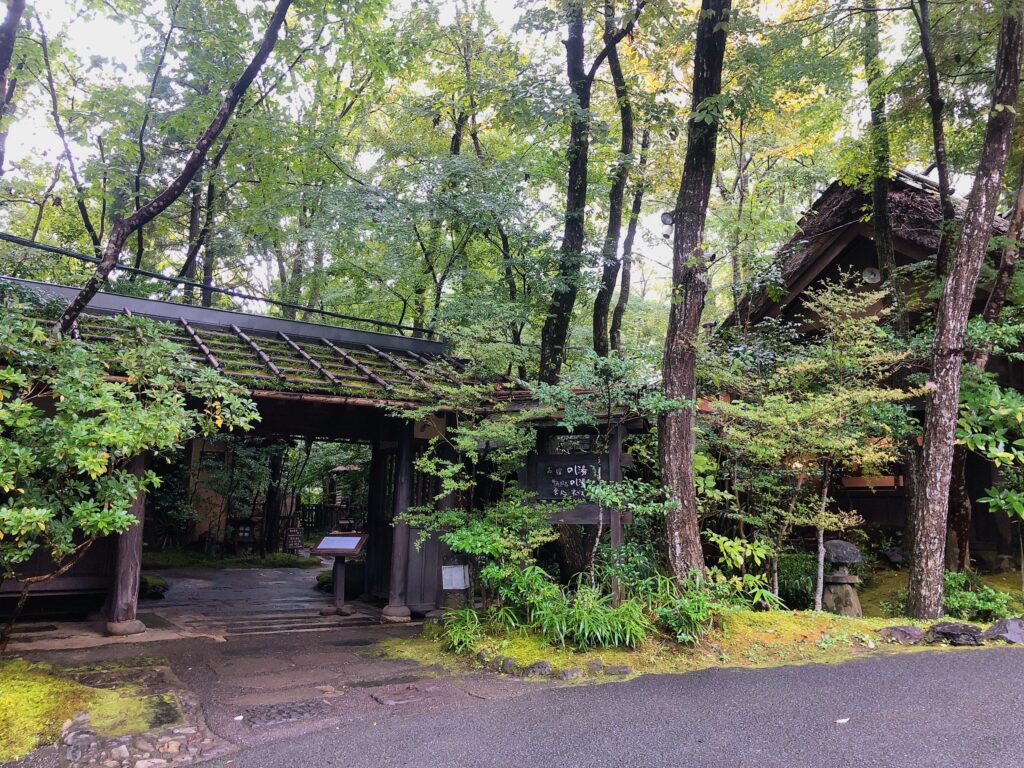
x,y
668,218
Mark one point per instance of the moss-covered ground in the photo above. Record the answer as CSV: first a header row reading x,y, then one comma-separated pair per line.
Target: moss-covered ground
x,y
183,558
36,700
740,639
883,586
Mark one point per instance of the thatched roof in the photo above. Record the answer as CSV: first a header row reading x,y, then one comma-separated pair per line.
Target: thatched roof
x,y
915,211
273,354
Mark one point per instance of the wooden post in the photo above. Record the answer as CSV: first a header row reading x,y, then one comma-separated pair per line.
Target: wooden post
x,y
615,514
338,574
124,597
396,609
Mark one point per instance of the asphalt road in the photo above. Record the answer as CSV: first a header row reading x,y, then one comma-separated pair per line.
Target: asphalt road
x,y
962,709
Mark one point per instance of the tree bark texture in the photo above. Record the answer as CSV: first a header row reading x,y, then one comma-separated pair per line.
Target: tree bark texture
x,y
616,193
555,331
937,106
123,228
615,330
924,594
8,36
880,162
690,282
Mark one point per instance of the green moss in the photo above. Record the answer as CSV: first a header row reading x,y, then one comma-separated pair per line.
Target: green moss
x,y
741,638
181,558
36,700
34,703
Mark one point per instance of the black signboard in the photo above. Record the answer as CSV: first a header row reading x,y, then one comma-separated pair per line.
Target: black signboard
x,y
293,538
566,477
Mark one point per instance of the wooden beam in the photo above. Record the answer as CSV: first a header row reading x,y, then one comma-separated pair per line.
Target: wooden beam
x,y
401,367
201,344
309,359
263,356
357,365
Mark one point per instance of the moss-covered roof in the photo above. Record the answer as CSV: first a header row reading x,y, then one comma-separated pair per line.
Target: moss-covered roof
x,y
273,354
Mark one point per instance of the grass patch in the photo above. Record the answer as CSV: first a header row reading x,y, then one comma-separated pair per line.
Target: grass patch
x,y
36,700
741,638
182,558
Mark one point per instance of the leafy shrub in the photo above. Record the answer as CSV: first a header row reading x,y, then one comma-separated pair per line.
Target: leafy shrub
x,y
797,576
462,629
688,613
587,619
965,596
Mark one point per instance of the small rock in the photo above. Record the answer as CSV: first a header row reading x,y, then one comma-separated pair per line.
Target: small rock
x,y
328,610
953,633
171,747
902,635
145,746
186,730
496,662
347,610
538,668
618,669
120,752
153,762
74,753
570,674
595,665
481,657
111,764
1007,630
508,666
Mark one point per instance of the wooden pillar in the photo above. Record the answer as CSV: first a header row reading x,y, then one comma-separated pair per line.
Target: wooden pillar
x,y
397,609
124,596
338,579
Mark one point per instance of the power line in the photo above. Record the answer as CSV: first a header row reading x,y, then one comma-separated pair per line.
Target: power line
x,y
16,240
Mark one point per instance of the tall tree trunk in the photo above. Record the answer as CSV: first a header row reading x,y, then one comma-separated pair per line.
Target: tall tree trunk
x,y
123,228
924,594
880,162
615,331
616,193
555,331
690,284
937,106
8,36
961,511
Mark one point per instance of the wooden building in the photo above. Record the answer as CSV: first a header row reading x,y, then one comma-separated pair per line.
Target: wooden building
x,y
310,381
835,239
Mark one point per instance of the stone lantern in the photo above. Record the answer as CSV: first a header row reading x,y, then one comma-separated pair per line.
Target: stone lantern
x,y
840,595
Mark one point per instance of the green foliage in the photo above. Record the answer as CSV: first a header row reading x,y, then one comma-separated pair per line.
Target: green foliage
x,y
462,629
965,596
797,575
74,415
585,618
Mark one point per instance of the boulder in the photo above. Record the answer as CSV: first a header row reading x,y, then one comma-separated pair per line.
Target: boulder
x,y
953,633
839,552
570,674
902,635
508,666
1007,630
538,668
618,670
894,555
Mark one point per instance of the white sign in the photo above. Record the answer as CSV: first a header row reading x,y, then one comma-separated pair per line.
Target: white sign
x,y
455,577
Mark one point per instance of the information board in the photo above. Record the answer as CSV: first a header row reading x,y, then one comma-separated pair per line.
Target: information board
x,y
293,538
341,544
566,477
